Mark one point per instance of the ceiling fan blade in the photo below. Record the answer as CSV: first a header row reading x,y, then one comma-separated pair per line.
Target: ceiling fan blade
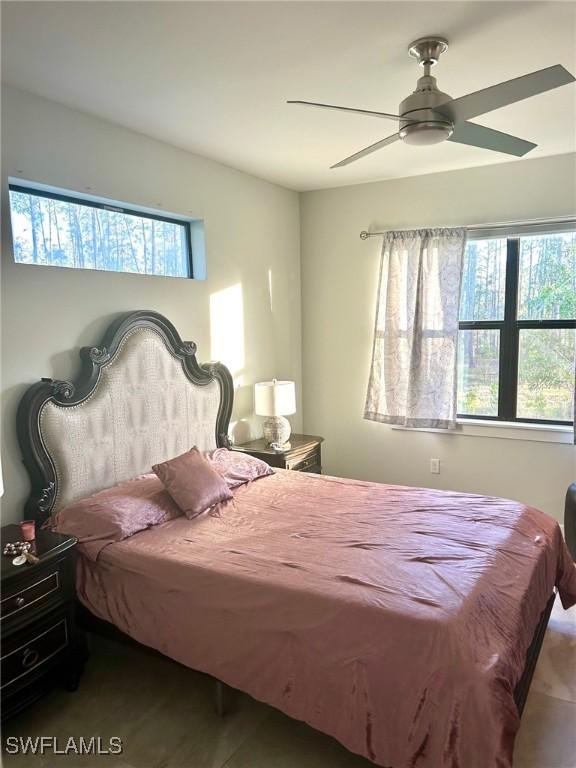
x,y
487,138
501,95
367,150
348,109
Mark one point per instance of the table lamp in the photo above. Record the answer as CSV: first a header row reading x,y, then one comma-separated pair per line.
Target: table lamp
x,y
275,400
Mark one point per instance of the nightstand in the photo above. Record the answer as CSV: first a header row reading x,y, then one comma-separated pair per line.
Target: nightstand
x,y
41,645
304,454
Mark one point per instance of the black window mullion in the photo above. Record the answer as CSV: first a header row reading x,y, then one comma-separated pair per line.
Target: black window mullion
x,y
537,324
507,392
480,325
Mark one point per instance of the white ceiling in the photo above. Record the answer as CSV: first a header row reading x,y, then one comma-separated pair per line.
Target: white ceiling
x,y
213,77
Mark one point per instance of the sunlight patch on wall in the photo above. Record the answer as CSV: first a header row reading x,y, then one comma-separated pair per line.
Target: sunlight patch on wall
x,y
227,330
270,290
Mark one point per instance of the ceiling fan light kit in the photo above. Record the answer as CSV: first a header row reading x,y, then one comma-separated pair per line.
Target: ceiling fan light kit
x,y
429,116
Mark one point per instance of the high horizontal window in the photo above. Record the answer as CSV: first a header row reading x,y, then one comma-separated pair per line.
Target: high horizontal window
x,y
517,340
61,231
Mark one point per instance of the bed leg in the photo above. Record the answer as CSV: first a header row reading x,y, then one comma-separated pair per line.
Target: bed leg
x,y
220,698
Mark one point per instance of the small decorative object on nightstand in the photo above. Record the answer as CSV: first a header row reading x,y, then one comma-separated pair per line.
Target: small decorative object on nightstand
x,y
41,646
275,400
304,454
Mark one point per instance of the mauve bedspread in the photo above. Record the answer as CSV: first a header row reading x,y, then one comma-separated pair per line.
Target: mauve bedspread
x,y
395,619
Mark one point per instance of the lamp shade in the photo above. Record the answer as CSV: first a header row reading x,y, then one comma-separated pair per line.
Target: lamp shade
x,y
274,398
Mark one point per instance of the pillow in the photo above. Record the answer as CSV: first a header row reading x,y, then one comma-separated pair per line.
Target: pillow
x,y
192,483
116,513
238,468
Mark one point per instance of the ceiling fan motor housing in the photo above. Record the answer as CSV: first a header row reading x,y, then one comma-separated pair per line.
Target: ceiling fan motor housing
x,y
430,127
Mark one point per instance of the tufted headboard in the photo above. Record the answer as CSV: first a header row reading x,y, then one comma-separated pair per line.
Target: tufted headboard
x,y
141,398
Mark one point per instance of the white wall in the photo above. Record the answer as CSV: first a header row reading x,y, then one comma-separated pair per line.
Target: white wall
x,y
252,236
338,299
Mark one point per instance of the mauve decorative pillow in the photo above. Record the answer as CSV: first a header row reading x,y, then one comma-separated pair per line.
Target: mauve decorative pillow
x,y
238,468
116,513
193,484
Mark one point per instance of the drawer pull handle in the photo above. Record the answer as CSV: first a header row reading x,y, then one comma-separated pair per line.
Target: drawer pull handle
x,y
30,658
20,601
306,463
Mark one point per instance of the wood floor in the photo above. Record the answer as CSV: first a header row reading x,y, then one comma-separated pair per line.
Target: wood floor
x,y
165,716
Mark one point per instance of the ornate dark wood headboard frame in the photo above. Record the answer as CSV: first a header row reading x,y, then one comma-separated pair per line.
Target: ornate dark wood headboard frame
x,y
38,462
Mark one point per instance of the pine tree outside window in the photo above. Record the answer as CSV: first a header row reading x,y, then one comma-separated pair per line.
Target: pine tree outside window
x,y
58,230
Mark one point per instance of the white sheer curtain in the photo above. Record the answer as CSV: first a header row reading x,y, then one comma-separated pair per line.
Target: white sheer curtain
x,y
413,373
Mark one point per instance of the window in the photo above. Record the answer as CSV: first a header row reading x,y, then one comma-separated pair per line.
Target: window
x,y
517,340
61,231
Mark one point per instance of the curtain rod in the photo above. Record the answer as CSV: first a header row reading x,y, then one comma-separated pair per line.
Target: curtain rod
x,y
364,235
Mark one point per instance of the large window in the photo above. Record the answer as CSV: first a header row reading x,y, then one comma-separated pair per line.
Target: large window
x,y
61,231
517,341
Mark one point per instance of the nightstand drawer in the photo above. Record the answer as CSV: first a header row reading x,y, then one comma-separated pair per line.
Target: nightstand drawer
x,y
304,463
313,468
34,652
41,645
32,594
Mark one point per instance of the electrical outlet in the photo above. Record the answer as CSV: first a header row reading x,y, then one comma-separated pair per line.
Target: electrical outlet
x,y
435,466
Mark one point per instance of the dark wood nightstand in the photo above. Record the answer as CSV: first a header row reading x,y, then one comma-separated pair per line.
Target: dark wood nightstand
x,y
41,645
304,454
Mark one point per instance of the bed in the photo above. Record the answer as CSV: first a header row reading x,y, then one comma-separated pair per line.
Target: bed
x,y
405,622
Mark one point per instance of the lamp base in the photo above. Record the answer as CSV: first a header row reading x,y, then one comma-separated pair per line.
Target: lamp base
x,y
277,430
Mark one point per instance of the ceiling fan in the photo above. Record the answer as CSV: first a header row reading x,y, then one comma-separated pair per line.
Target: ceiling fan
x,y
429,116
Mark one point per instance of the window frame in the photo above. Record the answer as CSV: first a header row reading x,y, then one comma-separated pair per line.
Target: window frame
x,y
93,203
509,329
